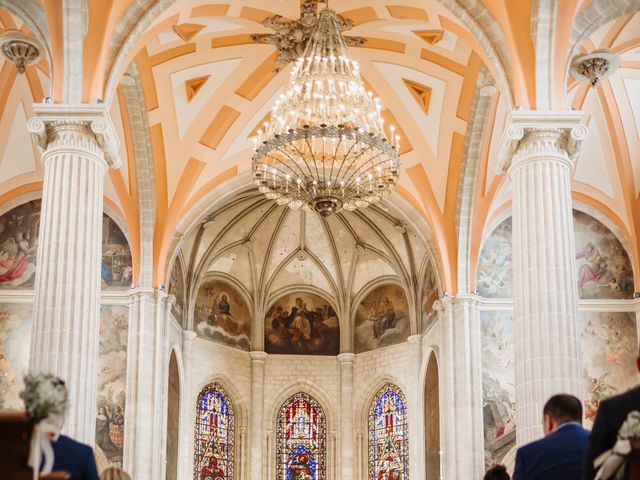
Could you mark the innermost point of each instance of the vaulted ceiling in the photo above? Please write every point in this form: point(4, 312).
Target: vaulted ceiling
point(187, 88)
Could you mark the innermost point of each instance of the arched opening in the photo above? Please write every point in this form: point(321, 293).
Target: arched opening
point(173, 418)
point(432, 420)
point(388, 435)
point(301, 439)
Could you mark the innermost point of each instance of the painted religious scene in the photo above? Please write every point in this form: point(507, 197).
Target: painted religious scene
point(382, 319)
point(609, 349)
point(15, 330)
point(431, 293)
point(222, 315)
point(498, 385)
point(302, 323)
point(603, 265)
point(112, 380)
point(176, 288)
point(116, 270)
point(18, 245)
point(495, 274)
point(301, 439)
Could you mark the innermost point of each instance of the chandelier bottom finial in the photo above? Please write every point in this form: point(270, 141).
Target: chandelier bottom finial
point(326, 205)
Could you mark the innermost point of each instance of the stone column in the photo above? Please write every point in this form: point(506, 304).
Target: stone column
point(257, 414)
point(461, 405)
point(415, 408)
point(537, 152)
point(145, 410)
point(187, 407)
point(346, 415)
point(78, 145)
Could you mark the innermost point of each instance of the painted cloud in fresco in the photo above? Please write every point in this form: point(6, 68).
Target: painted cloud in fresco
point(495, 275)
point(302, 323)
point(15, 331)
point(222, 315)
point(602, 264)
point(382, 319)
point(498, 385)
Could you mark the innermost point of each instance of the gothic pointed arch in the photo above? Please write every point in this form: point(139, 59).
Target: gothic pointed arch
point(301, 439)
point(214, 436)
point(388, 437)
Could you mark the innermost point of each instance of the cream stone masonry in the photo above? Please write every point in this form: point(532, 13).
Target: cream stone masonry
point(256, 457)
point(538, 151)
point(78, 144)
point(145, 422)
point(346, 408)
point(461, 395)
point(187, 408)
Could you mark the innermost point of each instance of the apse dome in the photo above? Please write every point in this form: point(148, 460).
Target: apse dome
point(259, 276)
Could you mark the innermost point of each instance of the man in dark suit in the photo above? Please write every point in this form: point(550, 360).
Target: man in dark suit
point(75, 458)
point(560, 454)
point(611, 414)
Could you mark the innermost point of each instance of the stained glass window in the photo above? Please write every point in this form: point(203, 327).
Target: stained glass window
point(388, 437)
point(300, 447)
point(214, 435)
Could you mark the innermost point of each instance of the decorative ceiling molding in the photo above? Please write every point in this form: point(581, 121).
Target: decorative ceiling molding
point(186, 31)
point(432, 37)
point(420, 92)
point(193, 86)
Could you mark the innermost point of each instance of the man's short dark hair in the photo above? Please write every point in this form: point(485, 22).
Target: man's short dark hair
point(497, 472)
point(563, 408)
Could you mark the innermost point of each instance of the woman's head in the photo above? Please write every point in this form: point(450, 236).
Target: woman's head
point(114, 473)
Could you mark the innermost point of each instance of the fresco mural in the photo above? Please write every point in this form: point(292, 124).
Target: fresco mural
point(116, 270)
point(176, 288)
point(222, 315)
point(609, 349)
point(430, 295)
point(18, 245)
point(495, 274)
point(112, 380)
point(302, 323)
point(603, 266)
point(15, 330)
point(382, 319)
point(498, 385)
point(19, 241)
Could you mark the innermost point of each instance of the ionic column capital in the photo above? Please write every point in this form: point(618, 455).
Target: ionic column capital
point(532, 135)
point(87, 127)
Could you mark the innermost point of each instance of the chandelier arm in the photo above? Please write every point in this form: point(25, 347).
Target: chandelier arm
point(315, 164)
point(346, 156)
point(293, 161)
point(295, 147)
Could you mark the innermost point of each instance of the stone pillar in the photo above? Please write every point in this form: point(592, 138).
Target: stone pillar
point(257, 415)
point(537, 153)
point(415, 408)
point(144, 448)
point(187, 408)
point(346, 415)
point(78, 145)
point(461, 405)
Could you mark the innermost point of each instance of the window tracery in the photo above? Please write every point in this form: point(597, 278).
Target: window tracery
point(301, 439)
point(388, 436)
point(214, 443)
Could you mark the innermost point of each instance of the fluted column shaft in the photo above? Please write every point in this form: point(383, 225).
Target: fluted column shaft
point(461, 403)
point(346, 415)
point(257, 415)
point(545, 291)
point(66, 311)
point(415, 408)
point(145, 419)
point(187, 408)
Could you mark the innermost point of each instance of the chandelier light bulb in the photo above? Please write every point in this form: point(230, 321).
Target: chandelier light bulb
point(326, 130)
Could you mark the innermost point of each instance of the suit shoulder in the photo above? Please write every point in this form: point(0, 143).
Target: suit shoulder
point(70, 443)
point(630, 397)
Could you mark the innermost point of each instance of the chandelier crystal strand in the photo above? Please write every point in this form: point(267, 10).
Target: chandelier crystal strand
point(325, 147)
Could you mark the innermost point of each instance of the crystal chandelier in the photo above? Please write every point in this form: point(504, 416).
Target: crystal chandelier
point(325, 147)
